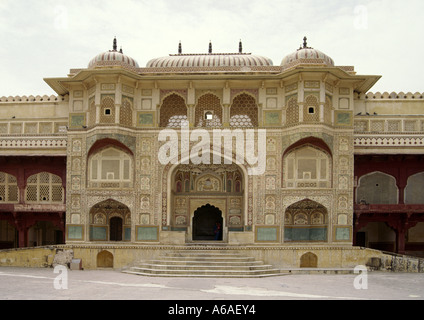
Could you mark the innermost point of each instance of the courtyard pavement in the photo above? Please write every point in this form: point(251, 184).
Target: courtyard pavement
point(45, 284)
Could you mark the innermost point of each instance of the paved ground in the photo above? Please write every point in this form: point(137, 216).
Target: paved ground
point(39, 284)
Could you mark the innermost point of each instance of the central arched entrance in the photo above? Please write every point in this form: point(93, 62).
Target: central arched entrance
point(110, 220)
point(205, 222)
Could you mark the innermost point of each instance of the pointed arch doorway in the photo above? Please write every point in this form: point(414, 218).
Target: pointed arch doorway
point(205, 222)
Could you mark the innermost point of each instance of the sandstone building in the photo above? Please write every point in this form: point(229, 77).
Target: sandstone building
point(344, 167)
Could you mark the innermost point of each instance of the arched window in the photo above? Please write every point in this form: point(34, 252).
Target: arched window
point(45, 188)
point(173, 112)
point(377, 188)
point(307, 167)
point(414, 190)
point(208, 111)
point(110, 168)
point(244, 112)
point(9, 192)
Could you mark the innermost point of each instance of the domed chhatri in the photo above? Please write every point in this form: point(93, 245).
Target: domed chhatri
point(307, 56)
point(210, 59)
point(113, 58)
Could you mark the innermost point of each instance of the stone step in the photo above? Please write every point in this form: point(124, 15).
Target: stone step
point(208, 259)
point(202, 273)
point(161, 266)
point(199, 263)
point(232, 276)
point(203, 254)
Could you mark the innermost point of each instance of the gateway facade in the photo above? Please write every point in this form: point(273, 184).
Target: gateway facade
point(342, 166)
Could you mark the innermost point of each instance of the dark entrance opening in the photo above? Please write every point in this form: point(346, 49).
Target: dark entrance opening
point(116, 229)
point(204, 223)
point(361, 239)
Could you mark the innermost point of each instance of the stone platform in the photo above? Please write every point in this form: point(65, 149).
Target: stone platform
point(266, 259)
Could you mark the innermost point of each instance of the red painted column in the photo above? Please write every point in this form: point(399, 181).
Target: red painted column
point(23, 222)
point(400, 240)
point(23, 237)
point(22, 231)
point(401, 184)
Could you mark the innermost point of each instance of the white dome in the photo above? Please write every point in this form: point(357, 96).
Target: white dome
point(307, 56)
point(113, 58)
point(209, 60)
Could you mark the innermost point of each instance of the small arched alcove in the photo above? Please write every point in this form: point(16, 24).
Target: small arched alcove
point(105, 259)
point(309, 260)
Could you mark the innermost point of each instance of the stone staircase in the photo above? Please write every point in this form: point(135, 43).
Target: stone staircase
point(204, 264)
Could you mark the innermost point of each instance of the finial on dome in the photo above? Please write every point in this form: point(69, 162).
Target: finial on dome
point(240, 47)
point(210, 47)
point(305, 42)
point(115, 44)
point(120, 51)
point(180, 48)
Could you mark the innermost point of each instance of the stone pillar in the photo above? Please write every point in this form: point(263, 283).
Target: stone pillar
point(117, 113)
point(191, 114)
point(301, 110)
point(321, 108)
point(226, 116)
point(98, 110)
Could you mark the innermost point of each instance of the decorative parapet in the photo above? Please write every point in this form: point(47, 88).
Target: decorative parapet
point(390, 96)
point(389, 125)
point(388, 141)
point(389, 132)
point(25, 99)
point(25, 143)
point(18, 128)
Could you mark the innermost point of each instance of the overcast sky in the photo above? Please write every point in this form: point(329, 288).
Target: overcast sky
point(46, 38)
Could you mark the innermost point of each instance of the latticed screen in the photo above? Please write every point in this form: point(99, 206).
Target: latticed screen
point(292, 114)
point(328, 110)
point(8, 188)
point(107, 110)
point(311, 110)
point(208, 111)
point(92, 111)
point(244, 112)
point(173, 112)
point(44, 187)
point(110, 168)
point(126, 113)
point(307, 167)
